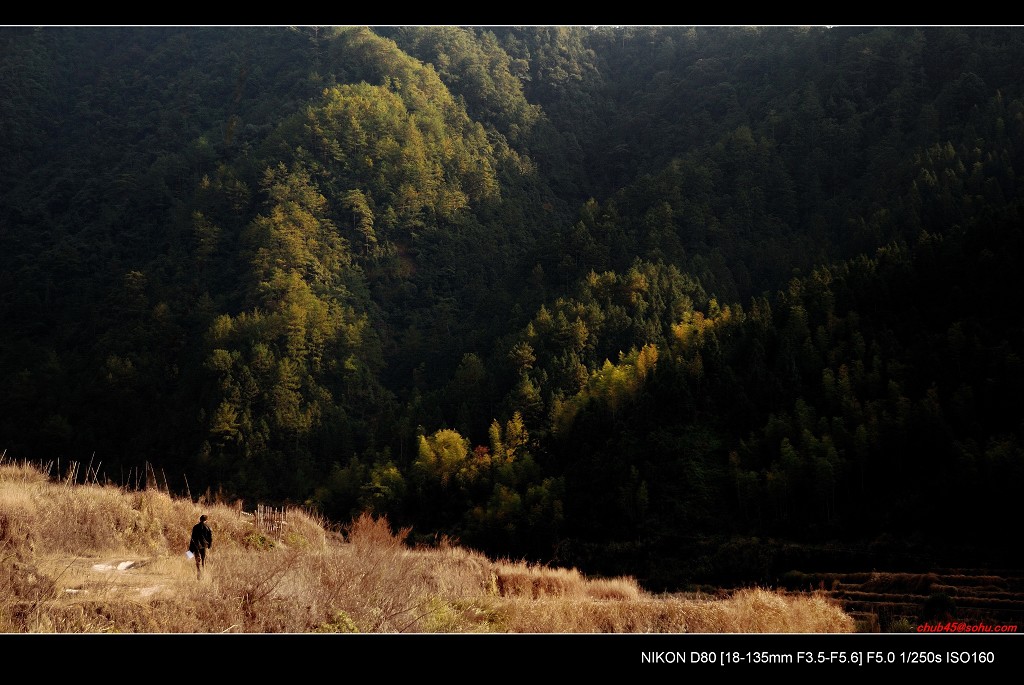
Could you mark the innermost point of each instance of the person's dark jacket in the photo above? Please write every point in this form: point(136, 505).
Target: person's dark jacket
point(202, 537)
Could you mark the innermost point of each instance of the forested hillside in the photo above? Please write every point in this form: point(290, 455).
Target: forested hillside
point(689, 304)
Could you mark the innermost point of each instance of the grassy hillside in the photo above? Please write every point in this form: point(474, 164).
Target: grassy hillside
point(79, 556)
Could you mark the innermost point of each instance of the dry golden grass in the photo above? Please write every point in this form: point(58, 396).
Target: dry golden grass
point(90, 558)
point(750, 610)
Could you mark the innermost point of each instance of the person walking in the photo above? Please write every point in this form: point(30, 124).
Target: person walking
point(201, 541)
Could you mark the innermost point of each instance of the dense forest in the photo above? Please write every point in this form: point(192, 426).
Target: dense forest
point(687, 303)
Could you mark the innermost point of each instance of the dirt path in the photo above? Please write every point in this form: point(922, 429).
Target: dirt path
point(137, 576)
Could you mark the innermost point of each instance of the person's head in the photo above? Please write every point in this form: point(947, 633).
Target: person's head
point(202, 518)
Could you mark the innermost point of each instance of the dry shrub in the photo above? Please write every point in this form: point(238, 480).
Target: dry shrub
point(558, 582)
point(369, 532)
point(376, 581)
point(705, 616)
point(758, 611)
point(25, 582)
point(16, 516)
point(21, 473)
point(253, 583)
point(304, 529)
point(755, 610)
point(22, 490)
point(530, 581)
point(84, 519)
point(576, 615)
point(526, 615)
point(513, 582)
point(584, 615)
point(629, 617)
point(454, 572)
point(198, 607)
point(613, 588)
point(158, 525)
point(816, 613)
point(90, 616)
point(523, 580)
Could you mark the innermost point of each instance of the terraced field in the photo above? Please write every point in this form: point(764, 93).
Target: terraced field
point(900, 602)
